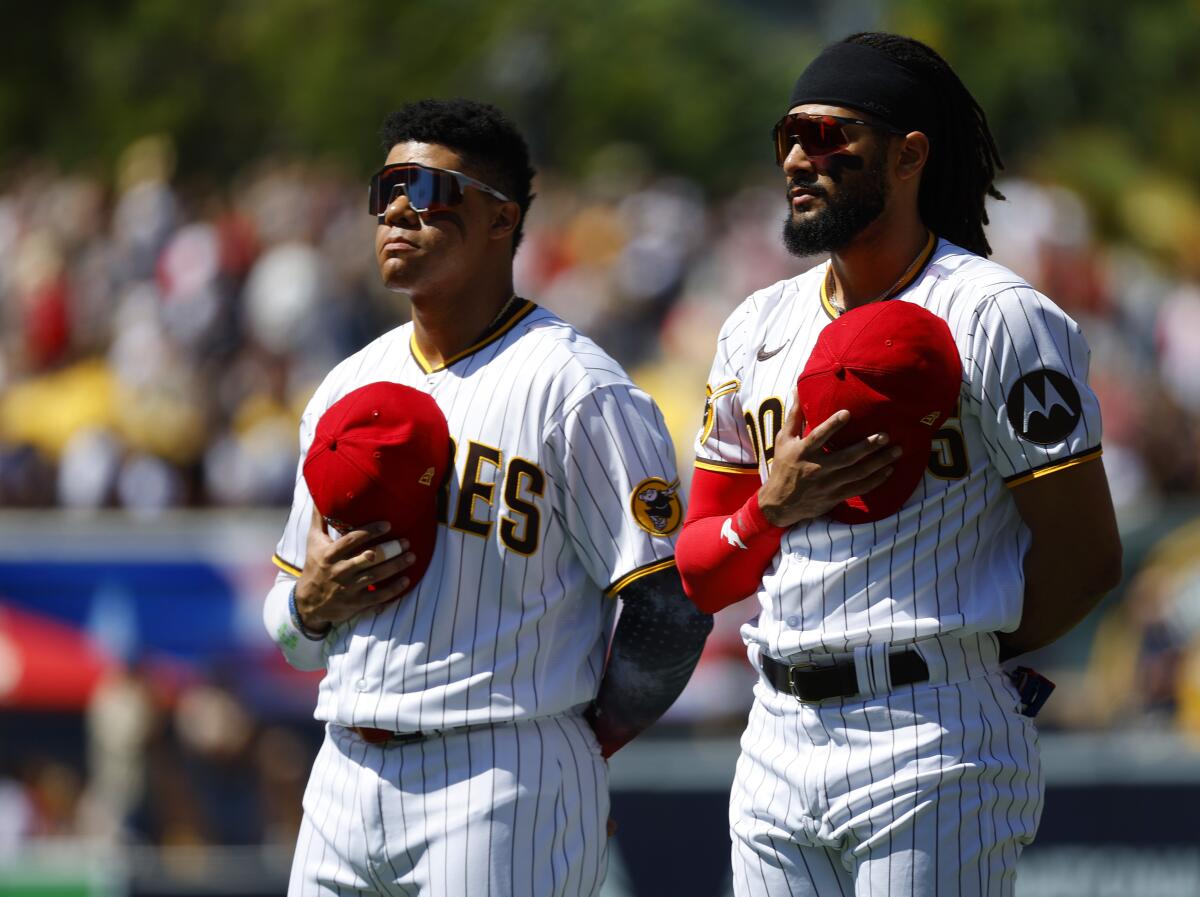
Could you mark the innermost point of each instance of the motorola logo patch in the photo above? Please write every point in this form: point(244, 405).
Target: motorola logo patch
point(1044, 407)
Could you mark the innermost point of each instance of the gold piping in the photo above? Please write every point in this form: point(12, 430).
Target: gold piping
point(470, 350)
point(634, 575)
point(285, 566)
point(1055, 468)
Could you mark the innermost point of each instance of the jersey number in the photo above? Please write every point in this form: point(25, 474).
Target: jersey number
point(947, 456)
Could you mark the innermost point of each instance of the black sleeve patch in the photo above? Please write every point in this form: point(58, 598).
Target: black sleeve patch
point(1044, 407)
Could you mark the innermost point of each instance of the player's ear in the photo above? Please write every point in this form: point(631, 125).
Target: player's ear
point(914, 153)
point(505, 218)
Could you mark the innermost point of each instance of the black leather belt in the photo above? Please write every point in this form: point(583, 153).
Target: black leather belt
point(809, 683)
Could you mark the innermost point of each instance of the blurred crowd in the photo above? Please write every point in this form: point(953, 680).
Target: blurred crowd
point(176, 766)
point(160, 339)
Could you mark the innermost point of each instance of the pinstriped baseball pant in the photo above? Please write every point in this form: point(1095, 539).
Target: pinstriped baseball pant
point(924, 790)
point(510, 810)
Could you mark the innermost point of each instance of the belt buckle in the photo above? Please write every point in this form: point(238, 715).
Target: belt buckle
point(792, 687)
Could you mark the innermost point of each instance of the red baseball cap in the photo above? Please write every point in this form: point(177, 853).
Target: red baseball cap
point(382, 452)
point(895, 367)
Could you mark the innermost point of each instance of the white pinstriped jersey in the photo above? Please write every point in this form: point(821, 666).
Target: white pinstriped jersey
point(950, 561)
point(564, 491)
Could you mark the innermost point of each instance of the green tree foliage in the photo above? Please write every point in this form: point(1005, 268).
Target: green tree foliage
point(697, 84)
point(1096, 94)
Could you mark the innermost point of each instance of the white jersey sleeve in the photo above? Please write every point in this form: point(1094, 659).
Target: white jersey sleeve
point(300, 651)
point(724, 442)
point(1027, 378)
point(616, 489)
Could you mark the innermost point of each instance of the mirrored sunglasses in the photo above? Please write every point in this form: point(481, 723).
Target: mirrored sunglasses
point(818, 135)
point(427, 189)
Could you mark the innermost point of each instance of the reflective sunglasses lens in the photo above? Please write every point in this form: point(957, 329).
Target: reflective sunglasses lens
point(817, 135)
point(374, 206)
point(826, 135)
point(419, 184)
point(427, 189)
point(382, 190)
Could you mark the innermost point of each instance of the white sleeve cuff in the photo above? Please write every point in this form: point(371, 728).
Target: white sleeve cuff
point(300, 651)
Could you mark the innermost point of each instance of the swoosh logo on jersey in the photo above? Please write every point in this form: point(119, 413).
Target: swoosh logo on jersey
point(730, 535)
point(763, 354)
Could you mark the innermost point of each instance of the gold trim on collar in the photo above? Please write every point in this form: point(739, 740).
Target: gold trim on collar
point(830, 309)
point(521, 311)
point(922, 260)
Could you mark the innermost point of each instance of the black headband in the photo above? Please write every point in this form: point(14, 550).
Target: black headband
point(860, 77)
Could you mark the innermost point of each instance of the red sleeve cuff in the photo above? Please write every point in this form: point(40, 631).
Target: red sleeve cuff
point(751, 522)
point(726, 544)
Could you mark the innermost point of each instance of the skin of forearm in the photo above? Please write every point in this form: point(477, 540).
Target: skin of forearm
point(1058, 595)
point(655, 647)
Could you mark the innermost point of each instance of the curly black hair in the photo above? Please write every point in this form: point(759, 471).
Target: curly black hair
point(959, 174)
point(490, 144)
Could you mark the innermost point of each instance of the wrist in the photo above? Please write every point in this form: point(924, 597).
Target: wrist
point(753, 519)
point(315, 635)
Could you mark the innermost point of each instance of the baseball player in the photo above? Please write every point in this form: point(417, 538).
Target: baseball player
point(469, 711)
point(885, 752)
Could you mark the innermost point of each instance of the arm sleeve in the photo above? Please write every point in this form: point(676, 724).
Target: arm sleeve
point(726, 543)
point(298, 649)
point(656, 645)
point(615, 485)
point(1027, 381)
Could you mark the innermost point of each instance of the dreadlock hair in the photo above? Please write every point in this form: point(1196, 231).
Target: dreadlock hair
point(490, 144)
point(958, 175)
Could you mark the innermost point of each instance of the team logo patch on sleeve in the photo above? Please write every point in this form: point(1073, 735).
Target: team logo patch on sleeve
point(1044, 407)
point(710, 407)
point(709, 415)
point(656, 507)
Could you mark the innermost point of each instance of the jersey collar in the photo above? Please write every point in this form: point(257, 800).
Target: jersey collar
point(506, 322)
point(903, 284)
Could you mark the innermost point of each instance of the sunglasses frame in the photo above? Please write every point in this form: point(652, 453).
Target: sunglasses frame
point(782, 149)
point(463, 181)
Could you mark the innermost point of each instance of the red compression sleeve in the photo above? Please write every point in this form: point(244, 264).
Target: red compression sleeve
point(726, 542)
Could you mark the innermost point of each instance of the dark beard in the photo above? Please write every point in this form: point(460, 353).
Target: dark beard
point(859, 201)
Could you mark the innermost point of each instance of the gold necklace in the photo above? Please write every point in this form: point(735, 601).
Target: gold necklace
point(831, 284)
